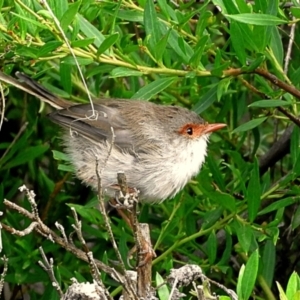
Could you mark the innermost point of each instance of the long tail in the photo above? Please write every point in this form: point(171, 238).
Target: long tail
point(30, 86)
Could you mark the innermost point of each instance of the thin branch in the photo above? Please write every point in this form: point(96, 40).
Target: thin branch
point(47, 266)
point(42, 228)
point(4, 272)
point(289, 48)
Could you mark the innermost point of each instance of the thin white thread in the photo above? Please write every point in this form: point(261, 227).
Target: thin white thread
point(72, 52)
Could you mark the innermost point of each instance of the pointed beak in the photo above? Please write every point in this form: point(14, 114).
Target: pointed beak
point(208, 128)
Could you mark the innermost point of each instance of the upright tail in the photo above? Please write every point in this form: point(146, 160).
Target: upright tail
point(28, 85)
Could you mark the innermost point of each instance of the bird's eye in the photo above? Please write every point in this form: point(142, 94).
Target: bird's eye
point(189, 130)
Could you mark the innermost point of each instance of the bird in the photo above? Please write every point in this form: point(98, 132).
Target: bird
point(158, 147)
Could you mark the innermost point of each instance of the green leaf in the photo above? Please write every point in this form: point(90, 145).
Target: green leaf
point(26, 155)
point(239, 283)
point(36, 23)
point(66, 168)
point(282, 295)
point(245, 236)
point(48, 48)
point(107, 43)
point(59, 7)
point(269, 103)
point(295, 11)
point(82, 61)
point(243, 6)
point(164, 8)
point(296, 218)
point(250, 125)
point(202, 23)
point(295, 144)
point(65, 71)
point(216, 172)
point(250, 275)
point(276, 45)
point(82, 43)
point(212, 247)
point(124, 72)
point(223, 87)
point(211, 217)
point(237, 39)
point(160, 47)
point(257, 19)
point(90, 31)
point(278, 204)
point(129, 15)
point(162, 291)
point(91, 214)
point(296, 167)
point(230, 5)
point(255, 63)
point(223, 199)
point(199, 48)
point(254, 192)
point(151, 23)
point(69, 15)
point(227, 252)
point(153, 88)
point(293, 285)
point(269, 262)
point(60, 156)
point(177, 43)
point(206, 100)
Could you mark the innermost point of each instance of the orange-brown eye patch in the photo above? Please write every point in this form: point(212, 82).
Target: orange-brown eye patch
point(192, 130)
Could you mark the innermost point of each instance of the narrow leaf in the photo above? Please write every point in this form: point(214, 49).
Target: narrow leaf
point(250, 275)
point(254, 192)
point(155, 87)
point(82, 61)
point(295, 12)
point(48, 48)
point(90, 31)
point(239, 283)
point(206, 100)
point(269, 103)
point(124, 72)
point(237, 39)
point(65, 71)
point(278, 204)
point(162, 291)
point(107, 43)
point(292, 286)
point(69, 15)
point(82, 43)
point(199, 48)
point(245, 237)
point(151, 23)
point(212, 248)
point(282, 295)
point(268, 262)
point(257, 19)
point(250, 125)
point(25, 156)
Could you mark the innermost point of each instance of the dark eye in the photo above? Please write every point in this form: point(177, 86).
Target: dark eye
point(189, 130)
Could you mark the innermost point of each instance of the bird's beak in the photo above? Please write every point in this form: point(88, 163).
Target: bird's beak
point(208, 128)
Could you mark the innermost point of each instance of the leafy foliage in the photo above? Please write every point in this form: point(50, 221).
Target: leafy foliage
point(234, 62)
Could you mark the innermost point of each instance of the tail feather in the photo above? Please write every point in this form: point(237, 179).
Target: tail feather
point(30, 86)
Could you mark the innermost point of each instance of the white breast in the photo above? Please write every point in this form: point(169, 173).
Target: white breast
point(170, 173)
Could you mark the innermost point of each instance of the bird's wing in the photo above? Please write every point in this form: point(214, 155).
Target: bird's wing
point(98, 127)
